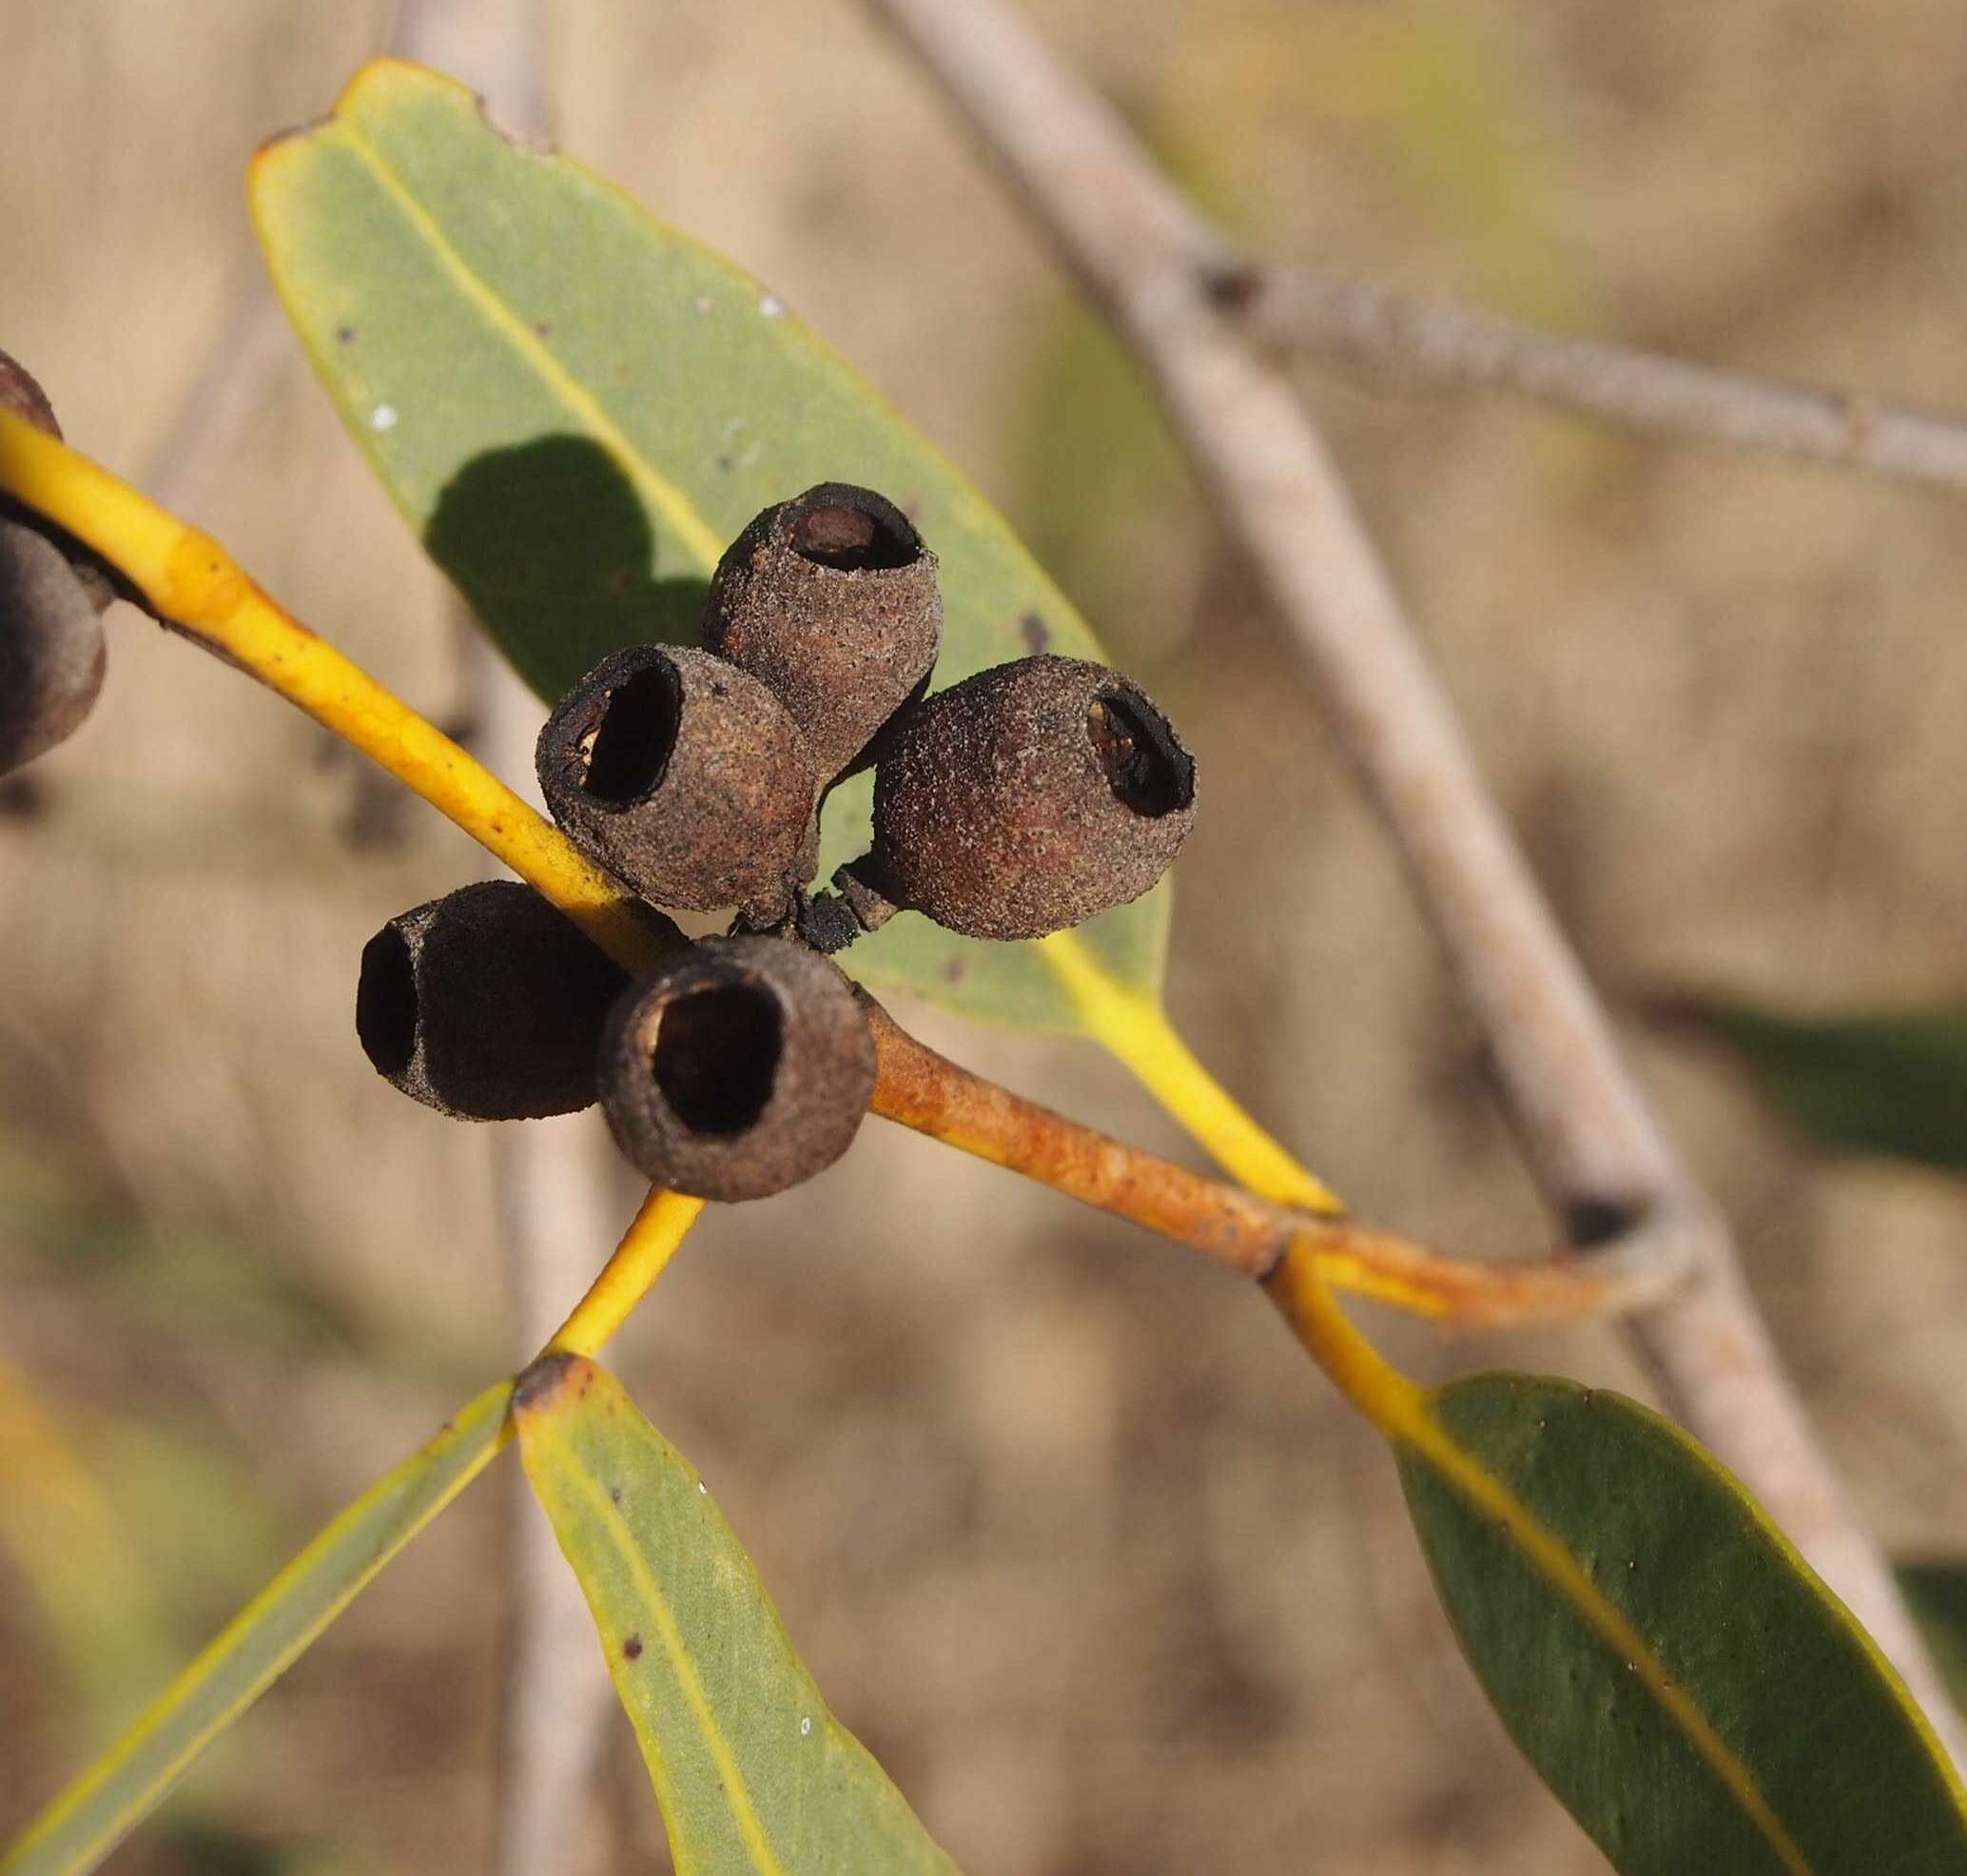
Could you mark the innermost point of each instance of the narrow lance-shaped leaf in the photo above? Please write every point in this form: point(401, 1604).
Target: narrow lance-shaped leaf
point(754, 1776)
point(1675, 1671)
point(87, 1820)
point(576, 408)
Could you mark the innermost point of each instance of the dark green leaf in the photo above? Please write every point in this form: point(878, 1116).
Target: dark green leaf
point(1673, 1669)
point(1892, 1084)
point(1936, 1594)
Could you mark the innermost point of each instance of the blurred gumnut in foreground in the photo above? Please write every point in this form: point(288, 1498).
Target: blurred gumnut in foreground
point(51, 650)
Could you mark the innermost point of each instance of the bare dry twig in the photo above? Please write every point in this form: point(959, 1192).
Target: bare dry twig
point(550, 1179)
point(1306, 310)
point(1599, 1153)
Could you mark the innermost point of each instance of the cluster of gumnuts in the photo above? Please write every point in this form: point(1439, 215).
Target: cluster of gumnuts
point(1018, 802)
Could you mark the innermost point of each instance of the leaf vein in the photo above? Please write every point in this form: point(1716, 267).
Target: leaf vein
point(1416, 1426)
point(662, 495)
point(751, 1826)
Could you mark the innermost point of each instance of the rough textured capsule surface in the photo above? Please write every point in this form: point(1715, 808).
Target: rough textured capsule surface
point(687, 778)
point(737, 1069)
point(486, 1004)
point(1029, 798)
point(831, 598)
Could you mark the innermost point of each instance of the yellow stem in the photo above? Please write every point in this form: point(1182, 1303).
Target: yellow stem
point(1394, 1404)
point(192, 581)
point(641, 1256)
point(1135, 1029)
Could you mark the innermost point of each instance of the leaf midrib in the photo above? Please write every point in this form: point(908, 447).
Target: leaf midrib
point(736, 1791)
point(1414, 1426)
point(668, 501)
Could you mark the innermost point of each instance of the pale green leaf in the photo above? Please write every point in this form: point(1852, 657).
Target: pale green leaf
point(754, 1776)
point(87, 1820)
point(576, 408)
point(1674, 1671)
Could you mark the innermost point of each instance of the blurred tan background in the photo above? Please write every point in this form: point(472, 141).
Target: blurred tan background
point(1058, 1518)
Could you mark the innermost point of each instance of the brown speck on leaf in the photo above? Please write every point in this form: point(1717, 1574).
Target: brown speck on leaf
point(345, 334)
point(954, 971)
point(544, 329)
point(541, 1381)
point(1036, 633)
point(632, 1649)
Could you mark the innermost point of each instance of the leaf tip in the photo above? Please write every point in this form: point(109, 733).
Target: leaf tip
point(384, 75)
point(266, 163)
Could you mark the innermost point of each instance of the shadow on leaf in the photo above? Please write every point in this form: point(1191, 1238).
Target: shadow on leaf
point(550, 546)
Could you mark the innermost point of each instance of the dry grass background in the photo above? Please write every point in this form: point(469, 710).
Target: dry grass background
point(1059, 1519)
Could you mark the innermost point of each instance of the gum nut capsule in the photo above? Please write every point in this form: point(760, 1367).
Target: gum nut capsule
point(21, 394)
point(486, 1004)
point(685, 778)
point(51, 650)
point(738, 1068)
point(831, 598)
point(1029, 798)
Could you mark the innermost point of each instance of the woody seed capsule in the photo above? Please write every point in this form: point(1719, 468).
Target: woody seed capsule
point(831, 598)
point(51, 650)
point(738, 1068)
point(685, 777)
point(1029, 798)
point(486, 1004)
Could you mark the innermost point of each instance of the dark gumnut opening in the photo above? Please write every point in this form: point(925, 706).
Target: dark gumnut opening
point(717, 1056)
point(853, 536)
point(630, 747)
point(385, 1002)
point(1148, 770)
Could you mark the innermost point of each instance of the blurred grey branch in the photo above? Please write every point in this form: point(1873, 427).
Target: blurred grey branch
point(247, 357)
point(551, 1178)
point(552, 1187)
point(1303, 310)
point(1599, 1152)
